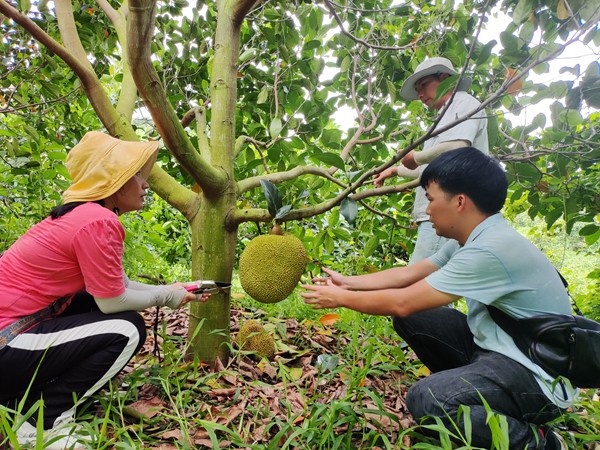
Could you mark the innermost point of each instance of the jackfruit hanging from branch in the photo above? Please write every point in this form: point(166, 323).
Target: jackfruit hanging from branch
point(271, 265)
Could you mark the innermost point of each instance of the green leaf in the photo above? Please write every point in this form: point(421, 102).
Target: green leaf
point(492, 131)
point(589, 230)
point(485, 52)
point(331, 159)
point(509, 41)
point(332, 138)
point(391, 88)
point(371, 246)
point(522, 11)
point(527, 31)
point(345, 65)
point(25, 5)
point(249, 53)
point(571, 117)
point(272, 195)
point(592, 238)
point(275, 128)
point(342, 234)
point(446, 86)
point(283, 211)
point(262, 97)
point(349, 210)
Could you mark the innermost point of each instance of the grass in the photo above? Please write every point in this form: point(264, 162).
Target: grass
point(331, 387)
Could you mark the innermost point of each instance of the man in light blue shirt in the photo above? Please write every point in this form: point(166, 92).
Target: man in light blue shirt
point(471, 358)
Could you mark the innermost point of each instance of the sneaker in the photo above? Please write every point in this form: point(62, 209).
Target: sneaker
point(554, 441)
point(64, 437)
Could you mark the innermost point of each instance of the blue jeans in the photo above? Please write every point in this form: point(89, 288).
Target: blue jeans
point(462, 372)
point(428, 242)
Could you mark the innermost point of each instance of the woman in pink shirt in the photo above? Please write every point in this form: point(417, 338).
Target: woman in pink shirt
point(68, 313)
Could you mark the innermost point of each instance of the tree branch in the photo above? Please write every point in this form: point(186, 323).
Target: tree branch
point(68, 32)
point(361, 129)
point(114, 122)
point(174, 193)
point(128, 94)
point(35, 105)
point(340, 23)
point(241, 8)
point(140, 33)
point(201, 126)
point(262, 215)
point(254, 182)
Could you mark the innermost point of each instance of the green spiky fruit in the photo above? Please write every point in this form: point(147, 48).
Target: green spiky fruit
point(271, 266)
point(253, 337)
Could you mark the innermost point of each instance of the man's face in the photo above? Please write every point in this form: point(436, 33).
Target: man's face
point(442, 210)
point(426, 88)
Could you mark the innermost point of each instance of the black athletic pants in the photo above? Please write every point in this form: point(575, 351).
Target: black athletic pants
point(464, 375)
point(74, 355)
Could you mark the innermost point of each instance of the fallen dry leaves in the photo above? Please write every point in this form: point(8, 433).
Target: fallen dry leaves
point(256, 398)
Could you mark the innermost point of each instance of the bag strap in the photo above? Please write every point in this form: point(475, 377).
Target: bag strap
point(566, 285)
point(24, 323)
point(504, 320)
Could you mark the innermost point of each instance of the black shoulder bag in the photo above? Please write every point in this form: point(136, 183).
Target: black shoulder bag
point(562, 345)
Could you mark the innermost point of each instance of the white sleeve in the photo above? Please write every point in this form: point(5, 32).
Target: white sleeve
point(468, 129)
point(405, 172)
point(426, 156)
point(130, 284)
point(138, 300)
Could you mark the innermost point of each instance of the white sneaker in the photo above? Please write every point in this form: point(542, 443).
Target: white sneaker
point(562, 445)
point(64, 437)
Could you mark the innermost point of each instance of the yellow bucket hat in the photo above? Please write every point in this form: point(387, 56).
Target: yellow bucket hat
point(101, 164)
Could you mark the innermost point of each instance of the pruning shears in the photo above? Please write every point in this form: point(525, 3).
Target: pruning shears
point(206, 286)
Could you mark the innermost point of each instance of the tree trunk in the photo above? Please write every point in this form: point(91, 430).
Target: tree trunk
point(213, 245)
point(213, 251)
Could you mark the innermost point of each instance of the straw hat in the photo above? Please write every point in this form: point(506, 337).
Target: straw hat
point(101, 164)
point(431, 66)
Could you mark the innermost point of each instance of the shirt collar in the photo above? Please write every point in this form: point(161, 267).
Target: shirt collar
point(484, 225)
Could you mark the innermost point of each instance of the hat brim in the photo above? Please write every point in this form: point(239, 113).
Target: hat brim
point(408, 91)
point(100, 165)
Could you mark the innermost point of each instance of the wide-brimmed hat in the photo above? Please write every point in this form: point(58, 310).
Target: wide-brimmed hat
point(101, 164)
point(431, 66)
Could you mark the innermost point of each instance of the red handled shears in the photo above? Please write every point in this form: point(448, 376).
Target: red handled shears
point(206, 286)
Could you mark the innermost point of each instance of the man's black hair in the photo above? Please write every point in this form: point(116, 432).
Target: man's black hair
point(468, 171)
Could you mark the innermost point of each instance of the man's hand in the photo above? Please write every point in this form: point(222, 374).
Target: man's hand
point(323, 295)
point(409, 160)
point(337, 279)
point(379, 178)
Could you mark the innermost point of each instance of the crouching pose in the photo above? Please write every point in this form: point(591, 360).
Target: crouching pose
point(68, 320)
point(472, 360)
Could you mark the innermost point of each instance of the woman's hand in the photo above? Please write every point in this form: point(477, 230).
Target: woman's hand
point(191, 297)
point(379, 178)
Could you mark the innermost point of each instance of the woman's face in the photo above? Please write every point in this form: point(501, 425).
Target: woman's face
point(131, 196)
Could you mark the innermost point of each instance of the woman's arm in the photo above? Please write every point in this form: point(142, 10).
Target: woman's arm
point(138, 300)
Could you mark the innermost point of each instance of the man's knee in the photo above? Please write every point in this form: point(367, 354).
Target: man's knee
point(426, 399)
point(398, 323)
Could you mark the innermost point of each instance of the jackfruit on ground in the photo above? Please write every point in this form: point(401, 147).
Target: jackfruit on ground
point(271, 266)
point(253, 337)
